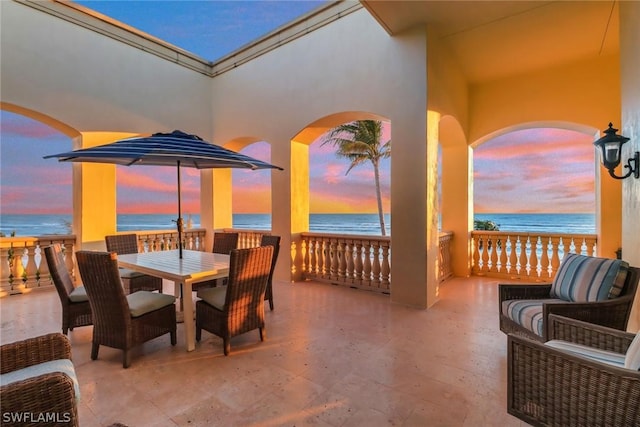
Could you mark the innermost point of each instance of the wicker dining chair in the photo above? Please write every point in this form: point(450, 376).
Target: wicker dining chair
point(43, 381)
point(231, 310)
point(269, 240)
point(223, 243)
point(132, 281)
point(562, 383)
point(122, 321)
point(76, 310)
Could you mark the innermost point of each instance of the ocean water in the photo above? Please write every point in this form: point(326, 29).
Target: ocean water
point(38, 225)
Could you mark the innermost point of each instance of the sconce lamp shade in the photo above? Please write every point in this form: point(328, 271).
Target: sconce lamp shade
point(610, 146)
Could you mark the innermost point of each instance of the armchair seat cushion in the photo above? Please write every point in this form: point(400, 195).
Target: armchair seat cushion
point(527, 312)
point(60, 365)
point(143, 302)
point(591, 353)
point(583, 278)
point(78, 295)
point(214, 296)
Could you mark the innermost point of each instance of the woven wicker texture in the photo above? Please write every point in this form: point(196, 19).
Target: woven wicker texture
point(113, 324)
point(73, 313)
point(268, 240)
point(549, 387)
point(51, 393)
point(128, 244)
point(223, 243)
point(613, 313)
point(244, 302)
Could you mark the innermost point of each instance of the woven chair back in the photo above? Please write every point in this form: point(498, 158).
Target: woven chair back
point(270, 240)
point(248, 275)
point(224, 243)
point(122, 243)
point(101, 279)
point(58, 269)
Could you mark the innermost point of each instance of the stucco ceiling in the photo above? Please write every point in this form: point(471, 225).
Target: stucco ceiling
point(495, 39)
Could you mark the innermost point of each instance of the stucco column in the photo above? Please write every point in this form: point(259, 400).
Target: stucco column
point(457, 203)
point(412, 209)
point(290, 205)
point(216, 210)
point(94, 194)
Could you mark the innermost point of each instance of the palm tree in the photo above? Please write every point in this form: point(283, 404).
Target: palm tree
point(359, 142)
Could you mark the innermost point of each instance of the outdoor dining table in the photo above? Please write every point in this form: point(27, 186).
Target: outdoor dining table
point(193, 267)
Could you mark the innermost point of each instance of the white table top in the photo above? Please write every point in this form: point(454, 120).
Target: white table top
point(193, 267)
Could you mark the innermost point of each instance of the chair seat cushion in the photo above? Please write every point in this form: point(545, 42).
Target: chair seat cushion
point(527, 312)
point(143, 302)
point(79, 294)
point(61, 365)
point(595, 354)
point(583, 278)
point(214, 296)
point(632, 358)
point(125, 273)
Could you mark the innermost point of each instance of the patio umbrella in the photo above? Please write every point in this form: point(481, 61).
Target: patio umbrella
point(165, 149)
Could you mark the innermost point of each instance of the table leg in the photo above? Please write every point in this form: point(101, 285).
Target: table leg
point(189, 324)
point(177, 291)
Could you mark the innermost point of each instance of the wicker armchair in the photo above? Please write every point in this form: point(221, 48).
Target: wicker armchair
point(552, 387)
point(48, 393)
point(133, 281)
point(613, 312)
point(223, 243)
point(268, 240)
point(76, 310)
point(231, 310)
point(122, 321)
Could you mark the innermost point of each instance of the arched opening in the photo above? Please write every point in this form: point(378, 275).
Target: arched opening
point(537, 179)
point(341, 202)
point(36, 193)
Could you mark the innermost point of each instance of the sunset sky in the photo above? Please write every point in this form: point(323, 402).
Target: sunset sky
point(538, 170)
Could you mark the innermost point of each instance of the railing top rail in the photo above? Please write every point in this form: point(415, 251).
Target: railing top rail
point(530, 233)
point(348, 236)
point(246, 230)
point(7, 242)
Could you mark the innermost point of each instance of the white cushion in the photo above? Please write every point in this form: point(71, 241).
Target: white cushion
point(61, 365)
point(603, 356)
point(632, 359)
point(214, 296)
point(78, 295)
point(143, 302)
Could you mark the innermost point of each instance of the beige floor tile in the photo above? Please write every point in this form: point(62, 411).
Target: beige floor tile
point(334, 357)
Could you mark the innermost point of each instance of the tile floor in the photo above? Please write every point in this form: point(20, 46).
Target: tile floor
point(333, 357)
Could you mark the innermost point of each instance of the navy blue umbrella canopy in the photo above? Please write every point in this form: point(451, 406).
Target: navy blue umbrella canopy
point(165, 149)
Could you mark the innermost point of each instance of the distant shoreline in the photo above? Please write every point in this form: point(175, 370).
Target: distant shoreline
point(350, 223)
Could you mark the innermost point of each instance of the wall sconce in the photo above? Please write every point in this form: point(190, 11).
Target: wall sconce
point(610, 146)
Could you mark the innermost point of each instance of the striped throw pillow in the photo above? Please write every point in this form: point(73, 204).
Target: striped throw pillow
point(583, 278)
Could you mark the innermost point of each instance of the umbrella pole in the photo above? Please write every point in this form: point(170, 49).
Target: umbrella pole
point(179, 222)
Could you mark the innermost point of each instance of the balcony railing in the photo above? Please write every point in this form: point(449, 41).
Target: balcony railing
point(352, 260)
point(531, 257)
point(23, 267)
